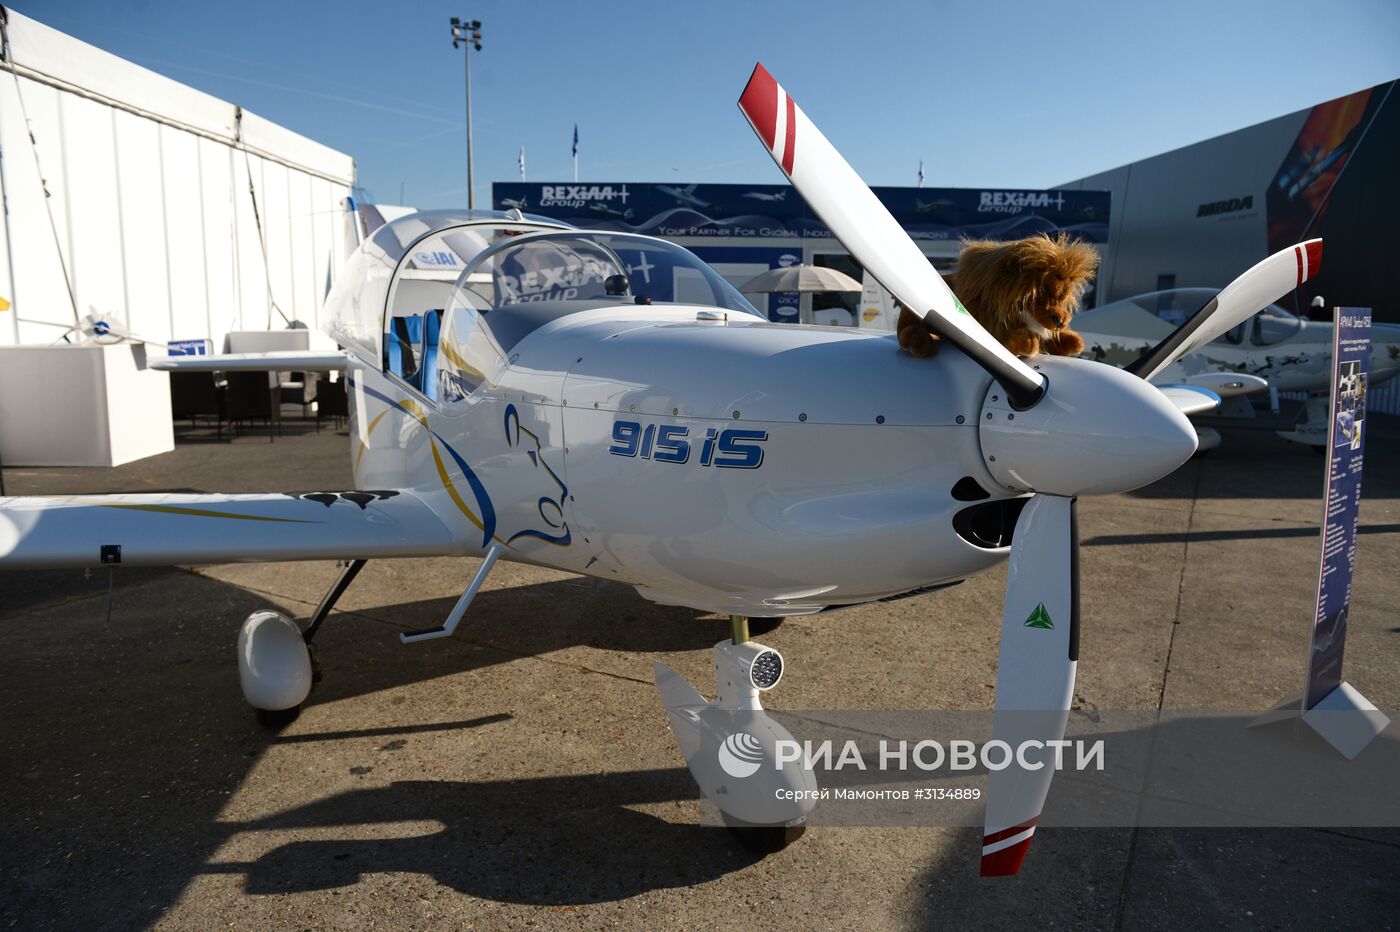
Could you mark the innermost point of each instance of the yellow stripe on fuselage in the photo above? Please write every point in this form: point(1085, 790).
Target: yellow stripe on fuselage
point(364, 442)
point(415, 410)
point(190, 512)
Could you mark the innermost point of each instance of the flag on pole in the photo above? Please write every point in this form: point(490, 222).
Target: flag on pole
point(575, 140)
point(921, 171)
point(522, 163)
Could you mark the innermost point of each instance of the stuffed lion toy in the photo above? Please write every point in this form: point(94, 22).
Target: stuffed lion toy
point(1024, 293)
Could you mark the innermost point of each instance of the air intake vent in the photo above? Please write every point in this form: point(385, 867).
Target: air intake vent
point(966, 489)
point(989, 525)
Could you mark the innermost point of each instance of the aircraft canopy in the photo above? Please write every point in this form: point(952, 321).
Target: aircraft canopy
point(416, 258)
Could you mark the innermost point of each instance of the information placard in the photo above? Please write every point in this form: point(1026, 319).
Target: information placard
point(1351, 356)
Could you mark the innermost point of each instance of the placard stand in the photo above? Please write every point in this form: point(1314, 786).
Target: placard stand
point(1330, 706)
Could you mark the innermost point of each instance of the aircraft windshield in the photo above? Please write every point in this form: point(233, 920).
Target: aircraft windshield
point(1272, 325)
point(408, 266)
point(519, 285)
point(614, 267)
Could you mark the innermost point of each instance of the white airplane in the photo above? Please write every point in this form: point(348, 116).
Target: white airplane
point(513, 203)
point(543, 407)
point(1274, 349)
point(685, 196)
point(936, 206)
point(600, 209)
point(760, 196)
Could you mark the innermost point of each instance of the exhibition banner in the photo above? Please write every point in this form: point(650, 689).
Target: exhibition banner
point(778, 211)
point(739, 264)
point(1351, 356)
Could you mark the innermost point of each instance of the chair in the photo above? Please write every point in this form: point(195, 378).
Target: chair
point(299, 389)
point(331, 399)
point(254, 396)
point(194, 395)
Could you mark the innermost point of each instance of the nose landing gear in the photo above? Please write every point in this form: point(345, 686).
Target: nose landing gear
point(730, 744)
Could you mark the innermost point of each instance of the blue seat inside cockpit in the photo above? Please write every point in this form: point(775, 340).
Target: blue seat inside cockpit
point(401, 347)
point(411, 349)
point(426, 380)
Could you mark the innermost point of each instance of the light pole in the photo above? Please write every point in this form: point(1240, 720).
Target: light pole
point(468, 34)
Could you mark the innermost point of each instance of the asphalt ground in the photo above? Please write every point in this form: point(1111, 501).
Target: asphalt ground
point(522, 774)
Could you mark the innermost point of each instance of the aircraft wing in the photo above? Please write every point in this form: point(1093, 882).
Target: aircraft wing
point(1223, 383)
point(1190, 399)
point(170, 529)
point(282, 361)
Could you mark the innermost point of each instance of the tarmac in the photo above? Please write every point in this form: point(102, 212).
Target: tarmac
point(522, 774)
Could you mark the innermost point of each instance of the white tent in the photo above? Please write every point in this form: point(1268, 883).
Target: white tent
point(149, 217)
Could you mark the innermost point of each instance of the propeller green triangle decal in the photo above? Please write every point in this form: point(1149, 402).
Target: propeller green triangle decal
point(1040, 618)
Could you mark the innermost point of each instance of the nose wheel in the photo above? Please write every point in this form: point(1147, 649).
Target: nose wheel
point(764, 840)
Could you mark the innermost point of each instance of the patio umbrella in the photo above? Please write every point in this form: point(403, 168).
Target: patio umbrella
point(805, 278)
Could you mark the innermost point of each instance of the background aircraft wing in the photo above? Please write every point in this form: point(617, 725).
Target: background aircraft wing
point(1225, 384)
point(283, 361)
point(1191, 399)
point(169, 529)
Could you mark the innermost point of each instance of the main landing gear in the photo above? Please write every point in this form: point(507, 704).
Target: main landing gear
point(729, 744)
point(275, 664)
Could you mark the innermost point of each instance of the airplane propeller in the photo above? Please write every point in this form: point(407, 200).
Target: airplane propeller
point(1263, 284)
point(1059, 427)
point(846, 205)
point(1035, 674)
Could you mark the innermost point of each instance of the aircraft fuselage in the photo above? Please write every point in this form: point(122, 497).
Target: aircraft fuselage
point(727, 464)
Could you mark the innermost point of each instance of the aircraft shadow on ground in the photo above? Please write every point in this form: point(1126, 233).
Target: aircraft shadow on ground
point(1178, 537)
point(359, 651)
point(115, 781)
point(555, 840)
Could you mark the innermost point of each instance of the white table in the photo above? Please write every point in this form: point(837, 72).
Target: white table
point(90, 405)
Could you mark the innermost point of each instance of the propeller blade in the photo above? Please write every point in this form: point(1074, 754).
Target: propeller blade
point(863, 225)
point(1035, 679)
point(1240, 300)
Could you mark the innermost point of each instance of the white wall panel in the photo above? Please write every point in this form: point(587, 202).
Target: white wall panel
point(219, 237)
point(184, 233)
point(90, 201)
point(254, 312)
point(141, 246)
point(303, 263)
point(275, 212)
point(39, 290)
point(149, 191)
point(325, 258)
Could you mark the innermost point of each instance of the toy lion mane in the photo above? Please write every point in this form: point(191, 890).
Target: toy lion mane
point(1024, 293)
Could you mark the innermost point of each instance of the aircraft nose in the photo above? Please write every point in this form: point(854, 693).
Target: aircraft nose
point(1097, 431)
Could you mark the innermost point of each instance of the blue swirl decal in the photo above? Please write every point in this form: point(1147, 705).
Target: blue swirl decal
point(487, 521)
point(512, 418)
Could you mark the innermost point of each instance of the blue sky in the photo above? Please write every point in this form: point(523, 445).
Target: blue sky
point(997, 94)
